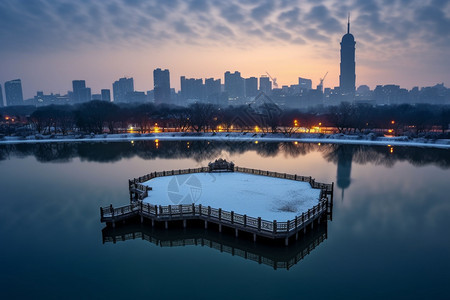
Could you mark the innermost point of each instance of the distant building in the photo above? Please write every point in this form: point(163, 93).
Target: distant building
point(305, 83)
point(213, 90)
point(106, 95)
point(251, 87)
point(1, 97)
point(136, 97)
point(13, 92)
point(390, 94)
point(234, 85)
point(81, 93)
point(265, 85)
point(41, 99)
point(96, 97)
point(347, 77)
point(192, 89)
point(121, 88)
point(161, 83)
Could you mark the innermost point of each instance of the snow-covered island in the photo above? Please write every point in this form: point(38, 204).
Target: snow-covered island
point(264, 203)
point(359, 139)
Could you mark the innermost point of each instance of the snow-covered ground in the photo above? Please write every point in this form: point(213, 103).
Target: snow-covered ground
point(256, 196)
point(230, 137)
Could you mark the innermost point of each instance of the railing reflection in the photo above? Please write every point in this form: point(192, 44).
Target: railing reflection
point(263, 253)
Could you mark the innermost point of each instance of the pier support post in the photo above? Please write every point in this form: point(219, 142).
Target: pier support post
point(153, 222)
point(296, 235)
point(206, 224)
point(312, 224)
point(220, 227)
point(286, 241)
point(166, 224)
point(184, 223)
point(304, 229)
point(254, 237)
point(142, 219)
point(114, 224)
point(237, 232)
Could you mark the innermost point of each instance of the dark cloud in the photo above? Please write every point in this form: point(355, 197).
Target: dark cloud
point(55, 24)
point(263, 10)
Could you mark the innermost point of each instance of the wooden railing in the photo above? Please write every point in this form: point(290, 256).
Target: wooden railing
point(244, 222)
point(328, 188)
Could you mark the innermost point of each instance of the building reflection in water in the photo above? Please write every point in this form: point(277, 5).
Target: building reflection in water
point(263, 252)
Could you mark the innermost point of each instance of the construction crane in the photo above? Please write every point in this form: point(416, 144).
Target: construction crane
point(320, 85)
point(274, 80)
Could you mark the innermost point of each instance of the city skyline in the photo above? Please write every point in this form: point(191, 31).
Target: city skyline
point(397, 44)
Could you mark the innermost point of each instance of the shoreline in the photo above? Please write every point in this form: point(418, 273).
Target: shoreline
point(237, 137)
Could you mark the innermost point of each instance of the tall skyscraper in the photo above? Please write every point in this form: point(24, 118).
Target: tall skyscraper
point(161, 84)
point(106, 95)
point(251, 87)
point(265, 85)
point(234, 85)
point(121, 88)
point(80, 92)
point(13, 92)
point(348, 77)
point(1, 96)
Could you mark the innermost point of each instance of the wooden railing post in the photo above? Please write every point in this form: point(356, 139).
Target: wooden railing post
point(180, 208)
point(170, 210)
point(288, 225)
point(200, 209)
point(259, 223)
point(156, 210)
point(274, 226)
point(232, 217)
point(220, 214)
point(245, 220)
point(209, 211)
point(193, 209)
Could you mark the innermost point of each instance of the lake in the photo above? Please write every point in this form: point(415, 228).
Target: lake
point(388, 237)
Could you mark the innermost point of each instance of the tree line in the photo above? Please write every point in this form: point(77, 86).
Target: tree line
point(106, 117)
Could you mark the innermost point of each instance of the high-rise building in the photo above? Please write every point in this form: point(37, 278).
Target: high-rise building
point(304, 83)
point(192, 89)
point(234, 85)
point(1, 96)
point(213, 90)
point(348, 76)
point(265, 85)
point(80, 92)
point(161, 83)
point(13, 92)
point(106, 95)
point(121, 88)
point(251, 87)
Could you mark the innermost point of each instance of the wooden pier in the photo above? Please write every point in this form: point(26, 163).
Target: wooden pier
point(238, 222)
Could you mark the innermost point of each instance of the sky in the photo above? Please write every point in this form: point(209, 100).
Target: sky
point(49, 43)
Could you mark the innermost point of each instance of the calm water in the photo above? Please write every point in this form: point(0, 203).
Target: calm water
point(388, 237)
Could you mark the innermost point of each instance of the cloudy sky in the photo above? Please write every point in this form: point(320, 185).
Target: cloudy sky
point(48, 43)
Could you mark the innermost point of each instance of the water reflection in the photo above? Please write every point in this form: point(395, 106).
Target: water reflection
point(276, 256)
point(342, 155)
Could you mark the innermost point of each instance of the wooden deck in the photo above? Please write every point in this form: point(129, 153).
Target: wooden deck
point(239, 222)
